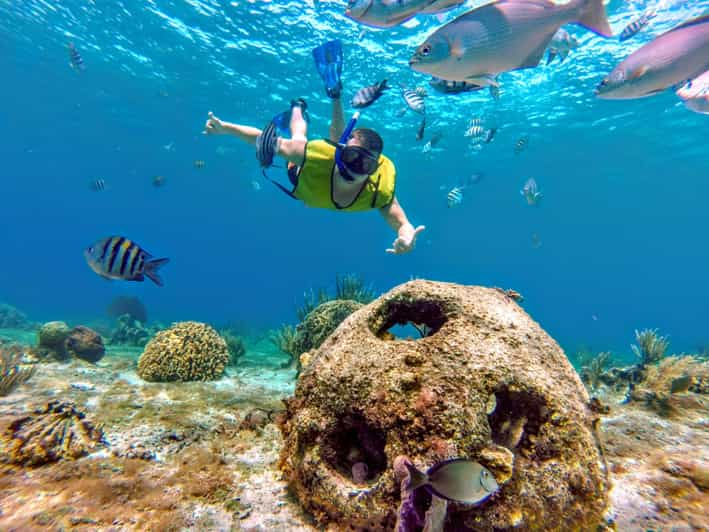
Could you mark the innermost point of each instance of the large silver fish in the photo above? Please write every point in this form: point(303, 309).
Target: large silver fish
point(674, 57)
point(502, 36)
point(457, 480)
point(117, 257)
point(388, 13)
point(695, 94)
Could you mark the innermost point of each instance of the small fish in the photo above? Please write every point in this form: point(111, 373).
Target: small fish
point(453, 87)
point(636, 25)
point(521, 144)
point(401, 112)
point(475, 122)
point(97, 185)
point(436, 138)
point(501, 36)
point(170, 146)
point(561, 44)
point(75, 60)
point(695, 94)
point(495, 92)
point(458, 480)
point(669, 60)
point(158, 181)
point(421, 91)
point(455, 197)
point(536, 241)
point(362, 34)
point(413, 100)
point(475, 178)
point(368, 95)
point(199, 164)
point(422, 127)
point(530, 192)
point(489, 135)
point(255, 185)
point(476, 132)
point(117, 257)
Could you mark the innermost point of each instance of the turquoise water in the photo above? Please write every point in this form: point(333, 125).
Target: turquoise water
point(622, 224)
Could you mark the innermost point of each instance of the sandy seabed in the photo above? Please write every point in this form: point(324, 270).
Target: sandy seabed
point(204, 456)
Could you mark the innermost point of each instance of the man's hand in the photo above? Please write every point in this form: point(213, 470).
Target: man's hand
point(213, 126)
point(406, 240)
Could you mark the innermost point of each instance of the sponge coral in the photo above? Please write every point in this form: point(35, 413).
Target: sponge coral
point(187, 351)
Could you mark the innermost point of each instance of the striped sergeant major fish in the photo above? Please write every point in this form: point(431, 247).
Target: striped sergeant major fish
point(453, 87)
point(521, 144)
point(368, 95)
point(413, 100)
point(97, 185)
point(117, 257)
point(455, 197)
point(75, 60)
point(635, 26)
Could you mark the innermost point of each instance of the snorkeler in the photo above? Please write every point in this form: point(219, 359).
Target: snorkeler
point(346, 172)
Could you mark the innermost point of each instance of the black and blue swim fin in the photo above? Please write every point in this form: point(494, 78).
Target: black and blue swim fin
point(328, 59)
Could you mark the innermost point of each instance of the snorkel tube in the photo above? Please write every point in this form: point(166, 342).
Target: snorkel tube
point(343, 140)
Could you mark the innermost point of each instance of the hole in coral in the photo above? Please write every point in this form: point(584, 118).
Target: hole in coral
point(355, 449)
point(409, 319)
point(517, 415)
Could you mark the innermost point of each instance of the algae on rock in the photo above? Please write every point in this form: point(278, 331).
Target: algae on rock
point(487, 383)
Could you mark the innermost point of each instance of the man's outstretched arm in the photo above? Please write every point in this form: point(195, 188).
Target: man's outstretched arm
point(406, 234)
point(291, 149)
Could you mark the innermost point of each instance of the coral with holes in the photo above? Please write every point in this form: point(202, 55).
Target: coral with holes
point(58, 431)
point(130, 331)
point(187, 351)
point(51, 340)
point(487, 383)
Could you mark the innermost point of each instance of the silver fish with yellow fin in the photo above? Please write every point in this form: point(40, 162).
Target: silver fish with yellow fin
point(117, 257)
point(388, 13)
point(669, 60)
point(502, 36)
point(458, 480)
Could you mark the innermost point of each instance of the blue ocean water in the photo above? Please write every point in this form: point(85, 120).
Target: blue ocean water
point(623, 222)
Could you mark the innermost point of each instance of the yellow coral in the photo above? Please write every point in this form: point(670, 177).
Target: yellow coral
point(187, 351)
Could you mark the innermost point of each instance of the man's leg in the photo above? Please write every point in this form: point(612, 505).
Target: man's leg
point(337, 124)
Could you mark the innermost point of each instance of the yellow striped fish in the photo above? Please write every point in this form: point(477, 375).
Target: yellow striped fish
point(117, 257)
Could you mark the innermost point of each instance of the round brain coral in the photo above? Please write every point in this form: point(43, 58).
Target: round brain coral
point(187, 351)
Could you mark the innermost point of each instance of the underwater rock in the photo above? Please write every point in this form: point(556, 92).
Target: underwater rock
point(365, 398)
point(187, 351)
point(85, 343)
point(11, 318)
point(130, 331)
point(130, 305)
point(52, 339)
point(57, 432)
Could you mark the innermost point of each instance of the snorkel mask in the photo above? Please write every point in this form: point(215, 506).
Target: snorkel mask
point(354, 159)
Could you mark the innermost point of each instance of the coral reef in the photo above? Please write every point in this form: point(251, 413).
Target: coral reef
point(187, 351)
point(130, 305)
point(11, 318)
point(58, 431)
point(352, 288)
point(650, 346)
point(591, 372)
point(312, 331)
point(674, 386)
point(86, 344)
point(12, 371)
point(487, 384)
point(52, 338)
point(235, 344)
point(130, 331)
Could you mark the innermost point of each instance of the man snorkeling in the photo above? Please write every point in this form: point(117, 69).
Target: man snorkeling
point(346, 172)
